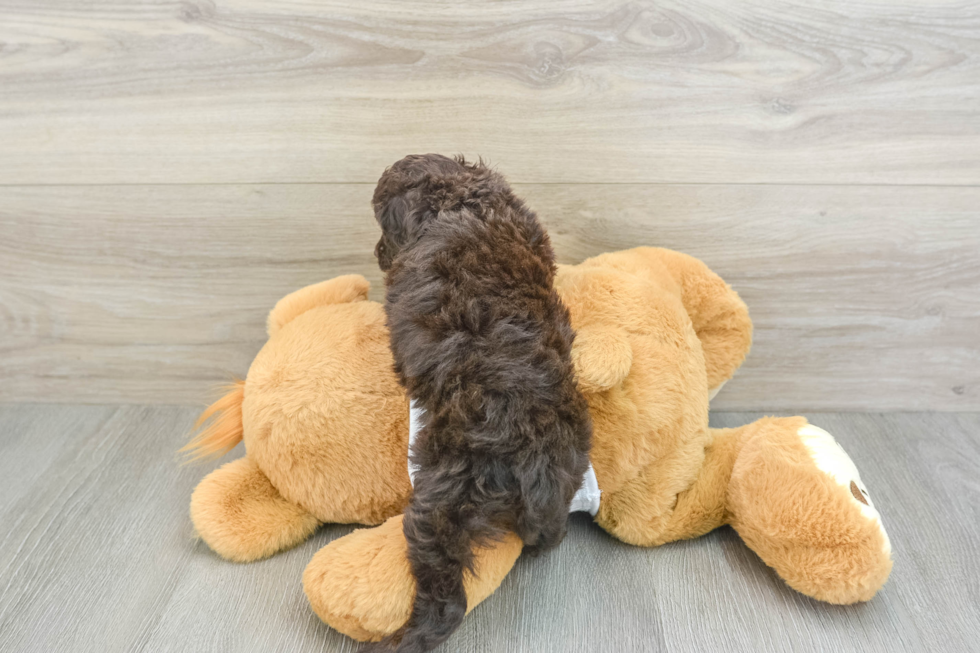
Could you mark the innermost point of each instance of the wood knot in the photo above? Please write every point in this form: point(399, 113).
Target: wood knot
point(191, 12)
point(549, 61)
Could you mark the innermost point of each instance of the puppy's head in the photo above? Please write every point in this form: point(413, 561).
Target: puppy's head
point(416, 189)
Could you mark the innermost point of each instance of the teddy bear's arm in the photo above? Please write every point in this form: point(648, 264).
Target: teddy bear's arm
point(341, 290)
point(602, 356)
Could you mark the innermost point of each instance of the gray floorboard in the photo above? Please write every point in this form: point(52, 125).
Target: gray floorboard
point(97, 554)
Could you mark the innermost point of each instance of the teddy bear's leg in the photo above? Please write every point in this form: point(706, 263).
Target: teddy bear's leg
point(703, 507)
point(791, 493)
point(242, 517)
point(646, 514)
point(796, 499)
point(362, 585)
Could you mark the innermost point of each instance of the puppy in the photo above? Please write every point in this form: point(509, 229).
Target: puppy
point(482, 343)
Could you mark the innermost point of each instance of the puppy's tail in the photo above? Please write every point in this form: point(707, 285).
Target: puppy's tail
point(225, 429)
point(439, 549)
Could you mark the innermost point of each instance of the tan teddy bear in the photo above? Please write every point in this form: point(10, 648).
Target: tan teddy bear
point(326, 430)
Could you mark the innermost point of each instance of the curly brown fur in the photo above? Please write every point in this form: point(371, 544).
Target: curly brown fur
point(482, 342)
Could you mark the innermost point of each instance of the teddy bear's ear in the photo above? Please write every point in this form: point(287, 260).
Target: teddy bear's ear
point(602, 356)
point(340, 290)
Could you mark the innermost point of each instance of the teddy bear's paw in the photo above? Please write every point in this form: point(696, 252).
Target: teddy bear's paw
point(832, 460)
point(239, 514)
point(362, 584)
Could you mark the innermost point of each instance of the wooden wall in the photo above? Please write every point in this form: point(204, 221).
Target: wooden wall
point(169, 169)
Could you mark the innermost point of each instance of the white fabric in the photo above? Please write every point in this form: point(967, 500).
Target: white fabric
point(414, 426)
point(587, 497)
point(585, 500)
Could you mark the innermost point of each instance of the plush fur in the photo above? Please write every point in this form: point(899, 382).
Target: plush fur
point(482, 342)
point(264, 522)
point(224, 428)
point(326, 423)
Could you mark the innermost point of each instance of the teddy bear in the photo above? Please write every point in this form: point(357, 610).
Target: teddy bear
point(326, 431)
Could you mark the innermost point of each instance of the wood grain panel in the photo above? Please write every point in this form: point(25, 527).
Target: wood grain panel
point(864, 298)
point(700, 91)
point(97, 554)
point(155, 293)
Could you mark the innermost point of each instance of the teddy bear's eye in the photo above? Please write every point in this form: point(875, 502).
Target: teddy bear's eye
point(858, 493)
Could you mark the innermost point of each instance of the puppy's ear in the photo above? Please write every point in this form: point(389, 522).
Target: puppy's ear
point(392, 216)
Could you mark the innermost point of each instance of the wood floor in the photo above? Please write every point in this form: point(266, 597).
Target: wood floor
point(97, 554)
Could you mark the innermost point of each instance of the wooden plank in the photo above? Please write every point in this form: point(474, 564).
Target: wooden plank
point(698, 91)
point(155, 294)
point(97, 555)
point(864, 298)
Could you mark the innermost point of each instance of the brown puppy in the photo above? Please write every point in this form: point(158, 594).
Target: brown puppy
point(482, 343)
